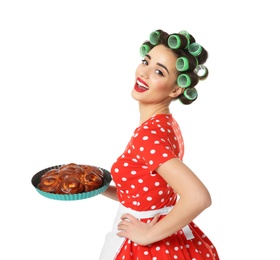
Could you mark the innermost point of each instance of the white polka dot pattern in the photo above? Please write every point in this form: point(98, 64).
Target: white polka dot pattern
point(156, 141)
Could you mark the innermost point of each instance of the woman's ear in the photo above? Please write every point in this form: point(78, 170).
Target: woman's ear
point(177, 91)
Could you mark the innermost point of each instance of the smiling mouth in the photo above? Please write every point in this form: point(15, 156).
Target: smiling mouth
point(140, 87)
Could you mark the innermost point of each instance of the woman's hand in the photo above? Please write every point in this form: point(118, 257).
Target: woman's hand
point(135, 230)
point(111, 192)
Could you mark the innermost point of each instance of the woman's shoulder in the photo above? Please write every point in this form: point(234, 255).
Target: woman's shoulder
point(159, 123)
point(160, 119)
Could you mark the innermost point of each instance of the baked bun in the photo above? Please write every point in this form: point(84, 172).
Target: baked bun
point(91, 181)
point(49, 183)
point(71, 179)
point(51, 172)
point(71, 170)
point(90, 168)
point(70, 185)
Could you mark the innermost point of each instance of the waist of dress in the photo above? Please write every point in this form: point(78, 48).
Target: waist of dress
point(113, 242)
point(144, 214)
point(148, 214)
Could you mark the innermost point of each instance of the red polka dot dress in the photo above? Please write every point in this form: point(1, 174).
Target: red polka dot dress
point(140, 188)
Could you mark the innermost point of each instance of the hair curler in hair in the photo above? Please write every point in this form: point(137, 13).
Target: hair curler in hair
point(182, 64)
point(185, 33)
point(201, 71)
point(176, 41)
point(154, 37)
point(144, 49)
point(195, 49)
point(184, 81)
point(188, 96)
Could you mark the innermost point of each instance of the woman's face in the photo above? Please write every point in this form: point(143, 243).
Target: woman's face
point(156, 77)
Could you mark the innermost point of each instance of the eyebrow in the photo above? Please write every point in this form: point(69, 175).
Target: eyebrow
point(159, 64)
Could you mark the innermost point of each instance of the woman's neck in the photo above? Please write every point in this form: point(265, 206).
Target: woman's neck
point(147, 112)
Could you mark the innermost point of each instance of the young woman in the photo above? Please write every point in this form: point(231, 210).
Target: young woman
point(159, 195)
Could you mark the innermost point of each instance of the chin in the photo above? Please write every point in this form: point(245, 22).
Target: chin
point(134, 95)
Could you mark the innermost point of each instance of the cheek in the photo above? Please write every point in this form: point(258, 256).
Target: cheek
point(136, 71)
point(139, 70)
point(162, 86)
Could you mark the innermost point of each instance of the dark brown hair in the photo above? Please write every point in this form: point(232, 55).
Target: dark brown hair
point(183, 49)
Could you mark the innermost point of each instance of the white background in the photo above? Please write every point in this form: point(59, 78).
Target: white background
point(66, 73)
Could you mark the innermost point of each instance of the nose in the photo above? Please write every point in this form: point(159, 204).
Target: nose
point(144, 72)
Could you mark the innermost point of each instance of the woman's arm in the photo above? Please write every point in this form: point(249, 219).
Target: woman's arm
point(193, 199)
point(111, 192)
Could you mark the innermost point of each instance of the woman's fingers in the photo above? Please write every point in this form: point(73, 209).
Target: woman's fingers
point(155, 219)
point(128, 217)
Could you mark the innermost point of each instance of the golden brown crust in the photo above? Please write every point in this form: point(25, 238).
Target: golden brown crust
point(92, 181)
point(70, 185)
point(49, 184)
point(51, 172)
point(90, 168)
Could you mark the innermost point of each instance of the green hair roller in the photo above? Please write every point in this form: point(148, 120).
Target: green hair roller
point(185, 33)
point(144, 49)
point(184, 81)
point(182, 64)
point(190, 94)
point(195, 49)
point(154, 37)
point(174, 41)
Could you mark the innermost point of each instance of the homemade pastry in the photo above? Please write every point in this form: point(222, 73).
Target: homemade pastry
point(71, 179)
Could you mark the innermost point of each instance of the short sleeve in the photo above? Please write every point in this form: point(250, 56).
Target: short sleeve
point(156, 142)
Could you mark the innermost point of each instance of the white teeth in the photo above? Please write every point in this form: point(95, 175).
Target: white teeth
point(141, 84)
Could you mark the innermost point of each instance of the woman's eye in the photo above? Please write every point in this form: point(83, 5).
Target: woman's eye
point(144, 62)
point(159, 72)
